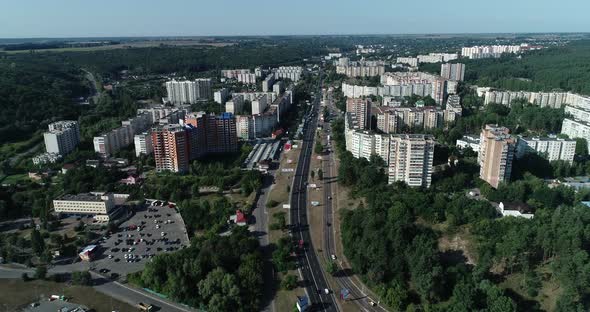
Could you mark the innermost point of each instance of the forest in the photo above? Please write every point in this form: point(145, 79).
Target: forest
point(216, 273)
point(393, 240)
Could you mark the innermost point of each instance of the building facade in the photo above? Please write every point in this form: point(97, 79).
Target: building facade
point(95, 203)
point(552, 148)
point(454, 72)
point(410, 159)
point(496, 153)
point(189, 92)
point(62, 137)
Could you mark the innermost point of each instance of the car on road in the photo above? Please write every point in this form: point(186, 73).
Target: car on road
point(372, 303)
point(329, 197)
point(326, 291)
point(333, 257)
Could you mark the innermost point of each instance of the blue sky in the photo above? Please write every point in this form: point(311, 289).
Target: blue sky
point(82, 18)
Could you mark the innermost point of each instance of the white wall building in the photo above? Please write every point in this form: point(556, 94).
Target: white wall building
point(90, 203)
point(221, 95)
point(143, 144)
point(189, 92)
point(552, 148)
point(62, 137)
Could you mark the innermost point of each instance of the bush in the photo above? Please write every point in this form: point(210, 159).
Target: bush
point(271, 203)
point(289, 282)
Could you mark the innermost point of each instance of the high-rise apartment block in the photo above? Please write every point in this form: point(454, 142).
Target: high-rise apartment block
point(412, 61)
point(241, 75)
point(62, 137)
point(454, 72)
point(360, 68)
point(401, 119)
point(290, 72)
point(268, 83)
point(410, 159)
point(235, 105)
point(453, 109)
point(496, 153)
point(171, 148)
point(221, 95)
point(143, 144)
point(189, 92)
point(361, 108)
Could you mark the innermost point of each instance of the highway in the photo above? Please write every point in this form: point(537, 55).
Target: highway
point(308, 262)
point(356, 294)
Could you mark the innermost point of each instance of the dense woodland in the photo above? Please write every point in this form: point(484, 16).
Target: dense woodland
point(216, 273)
point(393, 240)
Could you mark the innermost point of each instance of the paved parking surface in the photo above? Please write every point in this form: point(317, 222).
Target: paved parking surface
point(151, 231)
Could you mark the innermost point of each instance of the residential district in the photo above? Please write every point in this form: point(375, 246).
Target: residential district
point(291, 132)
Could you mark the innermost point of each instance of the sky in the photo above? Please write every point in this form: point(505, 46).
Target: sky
point(130, 18)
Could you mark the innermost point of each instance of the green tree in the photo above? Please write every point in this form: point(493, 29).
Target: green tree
point(37, 242)
point(40, 272)
point(331, 267)
point(320, 174)
point(289, 282)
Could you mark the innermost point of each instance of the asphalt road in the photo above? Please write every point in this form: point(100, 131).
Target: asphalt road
point(356, 295)
point(110, 288)
point(260, 230)
point(308, 261)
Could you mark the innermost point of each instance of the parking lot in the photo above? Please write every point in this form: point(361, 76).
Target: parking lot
point(153, 230)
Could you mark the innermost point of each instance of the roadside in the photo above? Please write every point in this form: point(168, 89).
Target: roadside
point(16, 294)
point(279, 195)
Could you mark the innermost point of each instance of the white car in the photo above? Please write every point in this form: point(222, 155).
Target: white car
point(326, 291)
point(333, 257)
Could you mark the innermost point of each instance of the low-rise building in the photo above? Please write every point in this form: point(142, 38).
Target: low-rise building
point(94, 203)
point(469, 141)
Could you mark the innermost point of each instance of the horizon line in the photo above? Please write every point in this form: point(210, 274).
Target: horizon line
point(297, 35)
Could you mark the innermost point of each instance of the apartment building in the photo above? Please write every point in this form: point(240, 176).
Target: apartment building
point(490, 51)
point(62, 137)
point(221, 95)
point(453, 110)
point(268, 83)
point(496, 153)
point(112, 141)
point(552, 148)
point(454, 72)
point(293, 73)
point(235, 105)
point(361, 68)
point(361, 108)
point(189, 92)
point(410, 159)
point(171, 148)
point(259, 104)
point(412, 61)
point(574, 129)
point(143, 144)
point(398, 119)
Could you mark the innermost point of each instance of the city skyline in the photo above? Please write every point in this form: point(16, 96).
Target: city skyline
point(38, 19)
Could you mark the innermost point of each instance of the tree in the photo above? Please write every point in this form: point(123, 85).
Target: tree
point(332, 268)
point(40, 272)
point(581, 147)
point(37, 242)
point(81, 278)
point(289, 282)
point(312, 173)
point(320, 174)
point(318, 148)
point(25, 277)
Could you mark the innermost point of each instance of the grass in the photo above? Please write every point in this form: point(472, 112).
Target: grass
point(17, 293)
point(8, 150)
point(15, 178)
point(548, 293)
